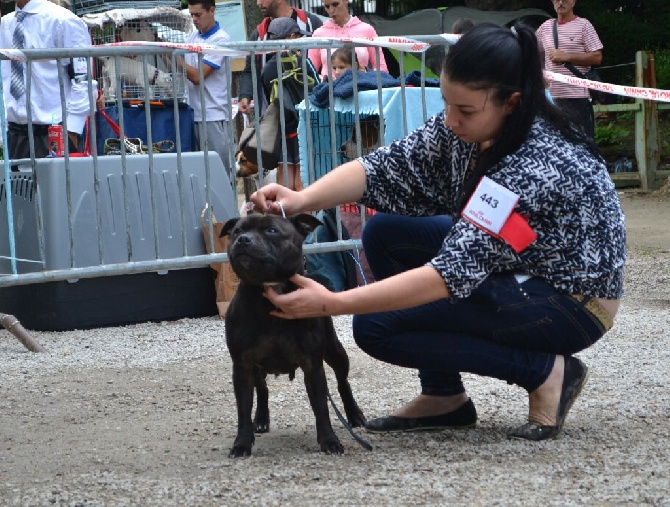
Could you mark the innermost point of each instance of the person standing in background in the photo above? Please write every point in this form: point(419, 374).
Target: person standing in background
point(272, 9)
point(41, 24)
point(215, 70)
point(286, 29)
point(343, 24)
point(579, 45)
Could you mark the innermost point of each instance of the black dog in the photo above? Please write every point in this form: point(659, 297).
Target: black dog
point(266, 249)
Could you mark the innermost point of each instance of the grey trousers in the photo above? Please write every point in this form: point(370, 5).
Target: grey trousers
point(218, 139)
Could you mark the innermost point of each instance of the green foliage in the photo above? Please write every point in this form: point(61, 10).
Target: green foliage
point(662, 65)
point(624, 27)
point(610, 134)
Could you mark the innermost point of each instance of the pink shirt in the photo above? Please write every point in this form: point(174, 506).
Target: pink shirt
point(352, 28)
point(574, 36)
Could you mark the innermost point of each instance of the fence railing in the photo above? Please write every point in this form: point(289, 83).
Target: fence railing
point(647, 139)
point(72, 218)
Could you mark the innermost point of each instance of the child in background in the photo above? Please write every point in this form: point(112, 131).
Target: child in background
point(342, 60)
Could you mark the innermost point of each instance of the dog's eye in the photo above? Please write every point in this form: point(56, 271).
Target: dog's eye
point(273, 230)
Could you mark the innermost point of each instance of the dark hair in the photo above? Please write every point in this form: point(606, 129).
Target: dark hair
point(345, 54)
point(462, 25)
point(508, 61)
point(206, 4)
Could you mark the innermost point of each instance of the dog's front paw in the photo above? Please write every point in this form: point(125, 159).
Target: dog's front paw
point(261, 425)
point(240, 451)
point(262, 419)
point(332, 446)
point(242, 447)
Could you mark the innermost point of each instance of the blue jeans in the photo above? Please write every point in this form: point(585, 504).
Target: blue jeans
point(504, 329)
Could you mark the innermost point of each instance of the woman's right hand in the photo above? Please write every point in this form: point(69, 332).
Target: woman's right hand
point(278, 200)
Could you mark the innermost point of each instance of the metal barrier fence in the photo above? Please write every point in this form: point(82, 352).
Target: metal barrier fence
point(102, 215)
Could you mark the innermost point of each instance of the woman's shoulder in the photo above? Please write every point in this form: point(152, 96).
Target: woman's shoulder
point(361, 26)
point(547, 149)
point(325, 29)
point(436, 136)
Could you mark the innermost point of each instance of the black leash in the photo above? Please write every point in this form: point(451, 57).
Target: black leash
point(364, 443)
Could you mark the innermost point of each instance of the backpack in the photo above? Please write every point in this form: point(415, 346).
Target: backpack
point(334, 270)
point(293, 81)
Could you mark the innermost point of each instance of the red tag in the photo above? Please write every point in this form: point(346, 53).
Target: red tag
point(517, 233)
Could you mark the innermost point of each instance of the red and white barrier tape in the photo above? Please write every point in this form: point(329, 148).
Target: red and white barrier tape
point(399, 44)
point(625, 91)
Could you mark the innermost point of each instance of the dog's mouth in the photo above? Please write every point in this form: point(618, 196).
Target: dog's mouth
point(248, 260)
point(253, 265)
point(260, 270)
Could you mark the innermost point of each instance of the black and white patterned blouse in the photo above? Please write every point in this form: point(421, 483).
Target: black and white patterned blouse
point(566, 194)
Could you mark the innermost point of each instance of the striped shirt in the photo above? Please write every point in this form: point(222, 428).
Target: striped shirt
point(575, 36)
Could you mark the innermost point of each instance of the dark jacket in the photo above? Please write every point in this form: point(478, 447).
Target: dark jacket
point(293, 88)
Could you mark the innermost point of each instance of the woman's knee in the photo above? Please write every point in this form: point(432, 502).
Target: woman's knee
point(366, 333)
point(376, 229)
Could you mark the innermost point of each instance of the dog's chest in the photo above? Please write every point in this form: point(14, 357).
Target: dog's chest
point(276, 345)
point(280, 352)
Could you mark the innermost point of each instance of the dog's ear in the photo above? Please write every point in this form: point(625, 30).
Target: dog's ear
point(305, 223)
point(228, 226)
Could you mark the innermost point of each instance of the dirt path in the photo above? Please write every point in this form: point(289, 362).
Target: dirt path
point(144, 415)
point(647, 220)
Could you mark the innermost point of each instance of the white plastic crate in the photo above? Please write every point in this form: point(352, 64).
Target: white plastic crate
point(82, 7)
point(152, 25)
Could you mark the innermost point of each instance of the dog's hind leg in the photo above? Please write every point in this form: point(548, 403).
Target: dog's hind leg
point(336, 357)
point(243, 383)
point(262, 417)
point(317, 391)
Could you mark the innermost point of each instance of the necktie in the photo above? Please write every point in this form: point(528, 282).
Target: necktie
point(17, 86)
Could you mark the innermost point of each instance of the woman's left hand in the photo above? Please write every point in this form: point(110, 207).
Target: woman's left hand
point(311, 299)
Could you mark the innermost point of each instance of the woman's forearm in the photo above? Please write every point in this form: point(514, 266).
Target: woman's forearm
point(405, 290)
point(344, 184)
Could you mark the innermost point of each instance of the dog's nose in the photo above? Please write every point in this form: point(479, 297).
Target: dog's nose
point(245, 238)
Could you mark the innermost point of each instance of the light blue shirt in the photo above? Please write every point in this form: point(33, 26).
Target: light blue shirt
point(216, 85)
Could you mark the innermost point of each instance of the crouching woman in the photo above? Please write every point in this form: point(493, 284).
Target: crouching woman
point(498, 249)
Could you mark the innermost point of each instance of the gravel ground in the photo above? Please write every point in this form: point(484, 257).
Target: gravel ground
point(145, 415)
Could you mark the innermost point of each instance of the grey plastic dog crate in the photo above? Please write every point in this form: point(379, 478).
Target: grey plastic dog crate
point(126, 235)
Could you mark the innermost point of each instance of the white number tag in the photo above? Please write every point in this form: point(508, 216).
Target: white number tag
point(79, 65)
point(490, 206)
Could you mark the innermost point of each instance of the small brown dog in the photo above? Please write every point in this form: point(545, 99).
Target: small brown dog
point(243, 166)
point(370, 138)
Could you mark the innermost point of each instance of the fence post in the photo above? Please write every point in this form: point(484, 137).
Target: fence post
point(647, 142)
